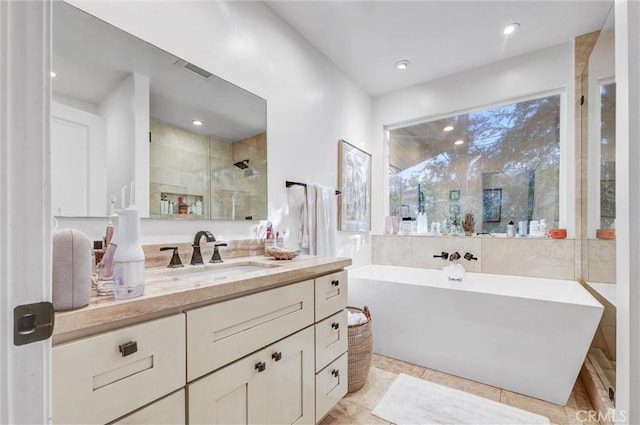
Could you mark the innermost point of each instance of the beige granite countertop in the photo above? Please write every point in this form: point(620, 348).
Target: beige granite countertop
point(166, 293)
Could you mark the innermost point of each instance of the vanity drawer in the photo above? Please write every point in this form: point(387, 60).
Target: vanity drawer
point(167, 411)
point(331, 294)
point(94, 382)
point(331, 386)
point(331, 339)
point(221, 333)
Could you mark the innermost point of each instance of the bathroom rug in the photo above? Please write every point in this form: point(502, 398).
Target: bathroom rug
point(412, 400)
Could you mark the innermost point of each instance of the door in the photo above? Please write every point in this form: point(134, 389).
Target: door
point(25, 212)
point(233, 395)
point(291, 373)
point(272, 386)
point(78, 162)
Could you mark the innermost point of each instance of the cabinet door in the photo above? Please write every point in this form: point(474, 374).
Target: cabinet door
point(291, 393)
point(169, 410)
point(235, 394)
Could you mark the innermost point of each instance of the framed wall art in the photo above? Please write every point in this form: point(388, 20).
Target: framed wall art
point(354, 181)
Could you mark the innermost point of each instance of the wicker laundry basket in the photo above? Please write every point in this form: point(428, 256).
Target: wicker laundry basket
point(360, 348)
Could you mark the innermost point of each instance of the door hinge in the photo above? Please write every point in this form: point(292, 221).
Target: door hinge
point(32, 322)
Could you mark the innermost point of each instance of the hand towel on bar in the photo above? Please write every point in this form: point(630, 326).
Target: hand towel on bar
point(303, 234)
point(326, 209)
point(310, 225)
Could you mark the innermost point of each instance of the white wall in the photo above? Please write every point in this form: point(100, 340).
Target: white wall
point(126, 113)
point(310, 103)
point(542, 71)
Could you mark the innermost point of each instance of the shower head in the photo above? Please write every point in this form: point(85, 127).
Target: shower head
point(242, 164)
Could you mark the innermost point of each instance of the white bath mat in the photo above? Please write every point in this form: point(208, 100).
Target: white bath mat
point(412, 400)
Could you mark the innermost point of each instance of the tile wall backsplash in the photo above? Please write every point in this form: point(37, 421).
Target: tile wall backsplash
point(547, 258)
point(601, 261)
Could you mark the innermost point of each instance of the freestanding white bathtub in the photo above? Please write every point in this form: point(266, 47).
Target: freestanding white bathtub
point(526, 335)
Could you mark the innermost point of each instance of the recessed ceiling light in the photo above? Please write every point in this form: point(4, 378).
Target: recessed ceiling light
point(53, 74)
point(509, 29)
point(196, 122)
point(402, 65)
point(448, 128)
point(459, 142)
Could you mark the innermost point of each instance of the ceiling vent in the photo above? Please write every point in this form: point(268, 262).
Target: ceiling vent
point(195, 69)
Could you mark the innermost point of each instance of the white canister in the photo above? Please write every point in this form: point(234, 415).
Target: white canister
point(522, 228)
point(534, 227)
point(128, 260)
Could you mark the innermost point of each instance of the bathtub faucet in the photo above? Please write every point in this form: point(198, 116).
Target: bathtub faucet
point(455, 256)
point(443, 255)
point(469, 256)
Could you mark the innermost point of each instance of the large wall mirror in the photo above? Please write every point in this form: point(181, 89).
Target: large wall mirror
point(124, 110)
point(599, 80)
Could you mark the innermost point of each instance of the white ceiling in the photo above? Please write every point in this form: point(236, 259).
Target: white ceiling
point(365, 38)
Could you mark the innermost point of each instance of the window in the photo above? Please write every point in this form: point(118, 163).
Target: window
point(501, 164)
point(607, 155)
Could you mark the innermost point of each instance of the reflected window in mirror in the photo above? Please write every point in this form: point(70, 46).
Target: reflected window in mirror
point(599, 133)
point(500, 164)
point(608, 155)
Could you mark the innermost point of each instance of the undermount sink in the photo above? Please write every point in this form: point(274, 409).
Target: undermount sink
point(219, 271)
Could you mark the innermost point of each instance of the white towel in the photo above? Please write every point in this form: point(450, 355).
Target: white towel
point(326, 221)
point(303, 235)
point(310, 200)
point(318, 223)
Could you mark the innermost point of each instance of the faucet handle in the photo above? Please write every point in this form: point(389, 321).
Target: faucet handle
point(215, 258)
point(175, 258)
point(443, 255)
point(469, 256)
point(196, 257)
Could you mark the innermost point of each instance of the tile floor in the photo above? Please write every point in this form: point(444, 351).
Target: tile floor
point(356, 408)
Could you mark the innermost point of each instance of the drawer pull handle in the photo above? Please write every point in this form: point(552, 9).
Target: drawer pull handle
point(277, 356)
point(335, 282)
point(261, 366)
point(335, 325)
point(335, 372)
point(128, 348)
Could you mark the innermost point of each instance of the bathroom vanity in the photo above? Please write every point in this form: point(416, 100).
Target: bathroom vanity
point(267, 345)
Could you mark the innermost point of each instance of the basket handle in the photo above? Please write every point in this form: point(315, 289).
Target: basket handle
point(367, 313)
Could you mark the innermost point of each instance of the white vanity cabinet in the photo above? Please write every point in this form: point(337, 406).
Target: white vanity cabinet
point(271, 356)
point(272, 386)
